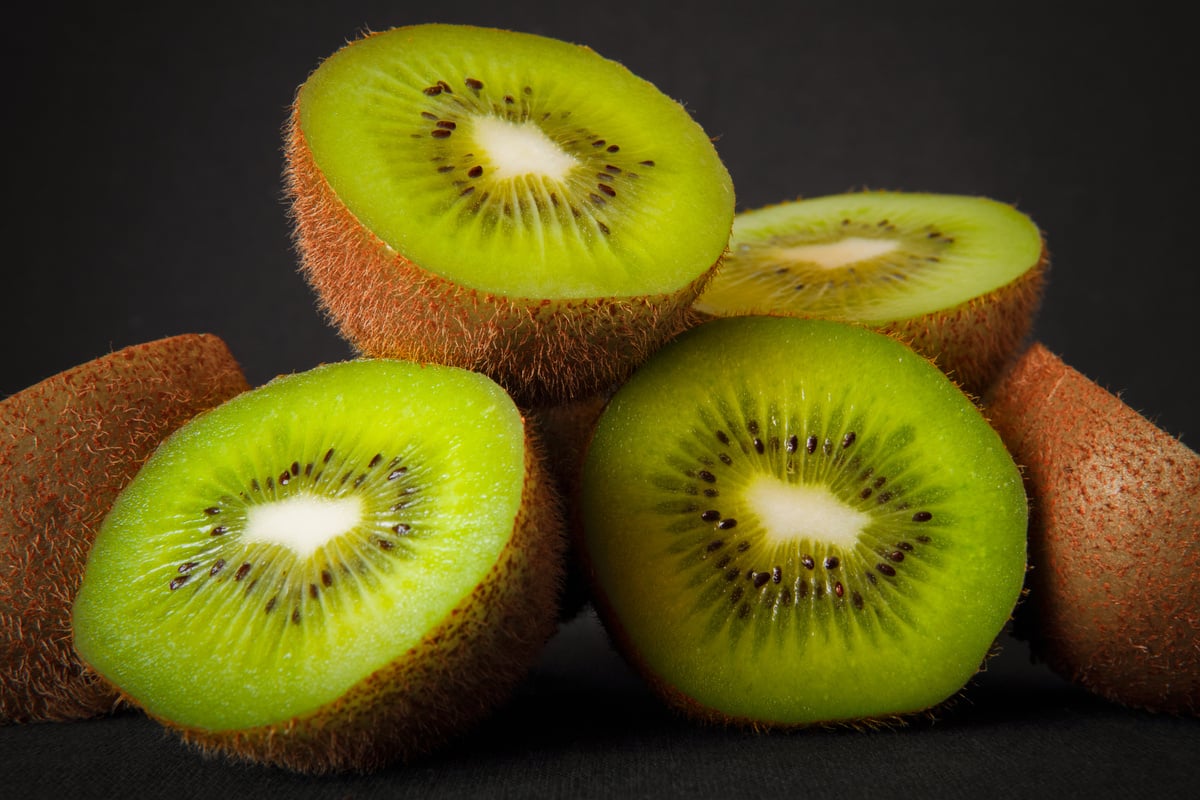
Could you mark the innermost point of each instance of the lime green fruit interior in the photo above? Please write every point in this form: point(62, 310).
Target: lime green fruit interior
point(462, 147)
point(368, 499)
point(871, 257)
point(742, 457)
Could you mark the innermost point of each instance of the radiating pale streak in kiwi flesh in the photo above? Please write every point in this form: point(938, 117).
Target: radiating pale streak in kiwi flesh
point(793, 511)
point(302, 522)
point(833, 255)
point(521, 148)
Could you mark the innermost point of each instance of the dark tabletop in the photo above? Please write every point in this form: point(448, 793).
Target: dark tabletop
point(143, 164)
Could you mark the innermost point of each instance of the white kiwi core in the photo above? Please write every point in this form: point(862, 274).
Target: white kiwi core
point(302, 522)
point(519, 149)
point(791, 511)
point(837, 254)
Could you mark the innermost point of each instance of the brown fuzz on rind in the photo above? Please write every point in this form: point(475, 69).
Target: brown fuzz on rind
point(459, 673)
point(975, 341)
point(541, 351)
point(68, 445)
point(565, 428)
point(1114, 589)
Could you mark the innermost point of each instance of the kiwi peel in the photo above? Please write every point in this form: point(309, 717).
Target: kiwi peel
point(502, 202)
point(1114, 540)
point(792, 522)
point(959, 278)
point(379, 542)
point(68, 446)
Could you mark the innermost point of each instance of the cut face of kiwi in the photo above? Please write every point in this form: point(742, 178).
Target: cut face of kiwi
point(68, 445)
point(958, 277)
point(503, 202)
point(1114, 539)
point(339, 569)
point(791, 522)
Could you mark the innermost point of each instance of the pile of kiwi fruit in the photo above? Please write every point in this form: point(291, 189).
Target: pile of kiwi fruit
point(803, 461)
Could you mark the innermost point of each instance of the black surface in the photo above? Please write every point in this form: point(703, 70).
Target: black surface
point(143, 161)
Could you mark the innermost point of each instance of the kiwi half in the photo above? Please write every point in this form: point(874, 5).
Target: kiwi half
point(68, 445)
point(503, 202)
point(337, 570)
point(960, 278)
point(791, 522)
point(1114, 540)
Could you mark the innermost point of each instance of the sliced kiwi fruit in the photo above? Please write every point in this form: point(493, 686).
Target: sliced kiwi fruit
point(503, 202)
point(340, 569)
point(792, 522)
point(1114, 539)
point(68, 445)
point(960, 278)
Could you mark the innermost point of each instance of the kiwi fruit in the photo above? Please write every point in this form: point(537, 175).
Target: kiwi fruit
point(340, 569)
point(1114, 540)
point(68, 445)
point(957, 277)
point(792, 522)
point(503, 202)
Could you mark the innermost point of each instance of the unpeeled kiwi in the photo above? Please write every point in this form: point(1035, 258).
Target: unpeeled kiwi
point(957, 277)
point(68, 445)
point(1114, 542)
point(791, 522)
point(503, 202)
point(338, 570)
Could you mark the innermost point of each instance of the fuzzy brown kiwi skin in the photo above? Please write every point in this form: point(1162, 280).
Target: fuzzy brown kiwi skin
point(449, 682)
point(1114, 591)
point(68, 445)
point(566, 429)
point(541, 351)
point(974, 342)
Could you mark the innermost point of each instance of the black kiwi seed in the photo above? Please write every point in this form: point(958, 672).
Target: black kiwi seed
point(811, 444)
point(217, 566)
point(922, 516)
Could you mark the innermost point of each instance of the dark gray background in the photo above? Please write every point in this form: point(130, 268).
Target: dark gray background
point(143, 171)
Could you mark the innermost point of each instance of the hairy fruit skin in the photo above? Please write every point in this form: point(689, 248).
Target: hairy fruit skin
point(1114, 590)
point(541, 351)
point(68, 445)
point(975, 341)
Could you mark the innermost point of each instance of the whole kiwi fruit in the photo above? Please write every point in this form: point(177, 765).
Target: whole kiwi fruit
point(791, 522)
point(341, 569)
point(68, 446)
point(1114, 541)
point(503, 202)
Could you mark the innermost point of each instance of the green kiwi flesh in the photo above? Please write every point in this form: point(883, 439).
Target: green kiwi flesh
point(960, 277)
point(324, 573)
point(517, 164)
point(503, 202)
point(789, 522)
